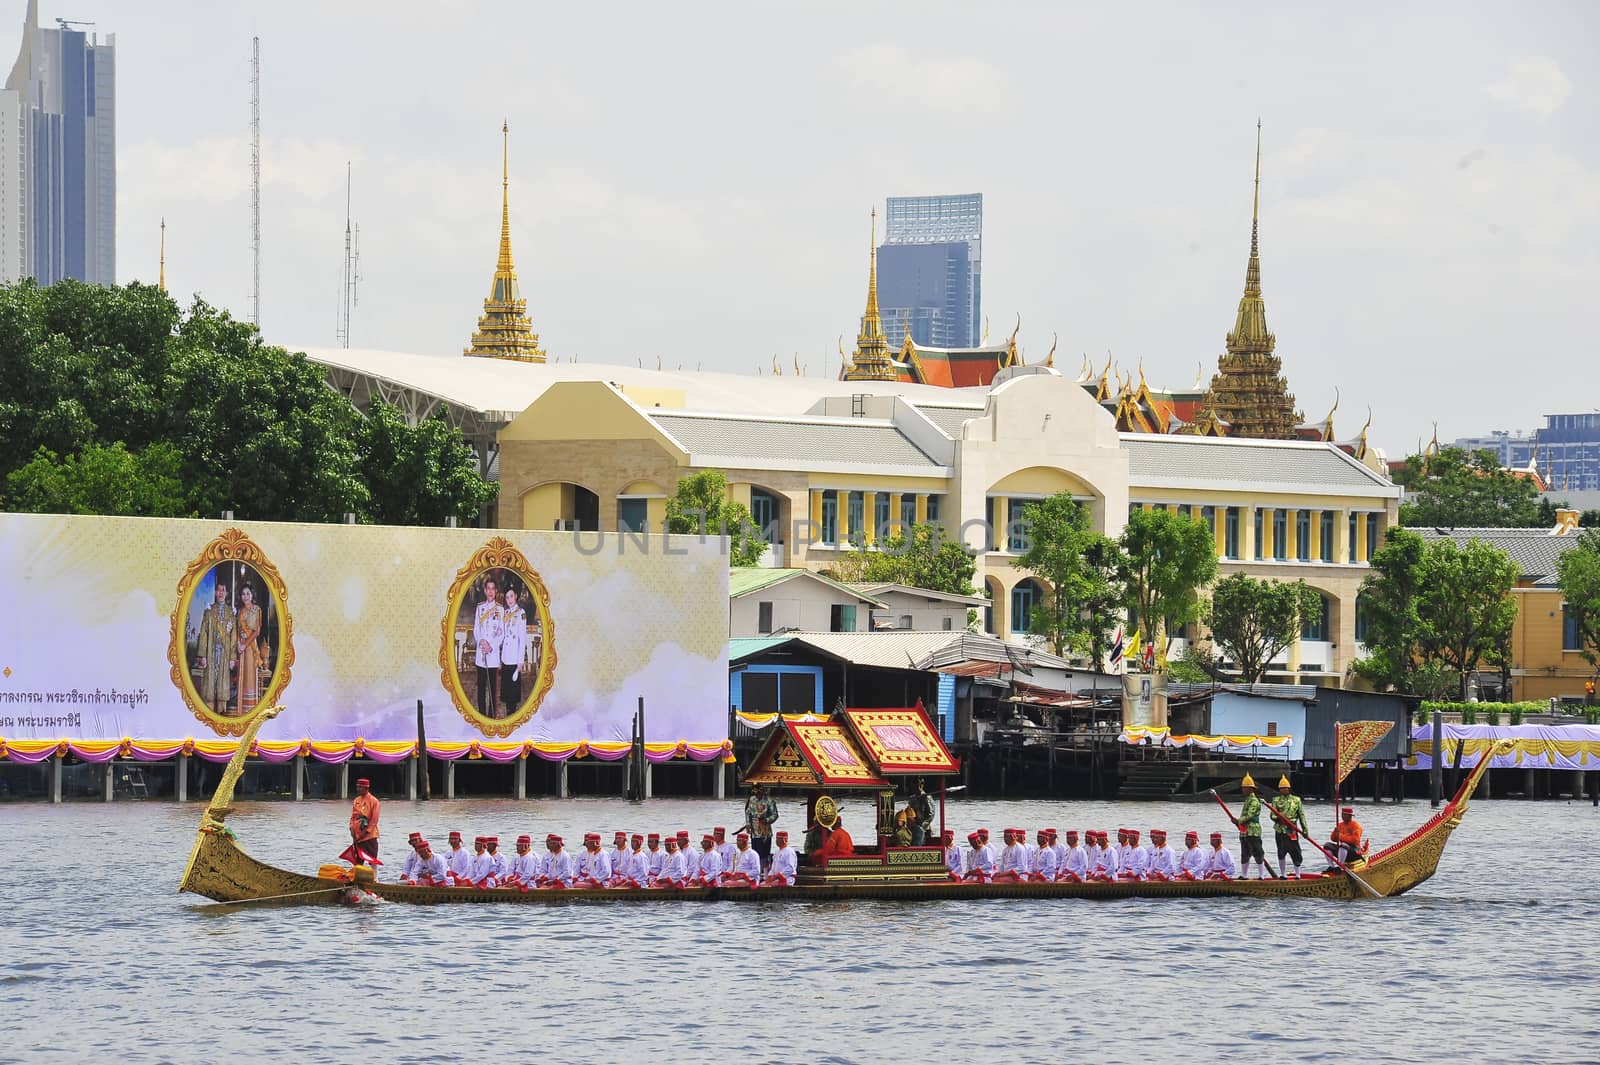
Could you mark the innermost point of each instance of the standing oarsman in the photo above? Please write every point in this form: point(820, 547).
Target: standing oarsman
point(1292, 810)
point(1194, 862)
point(760, 812)
point(785, 863)
point(1249, 822)
point(1219, 865)
point(364, 810)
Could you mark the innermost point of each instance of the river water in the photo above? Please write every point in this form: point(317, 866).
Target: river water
point(1493, 960)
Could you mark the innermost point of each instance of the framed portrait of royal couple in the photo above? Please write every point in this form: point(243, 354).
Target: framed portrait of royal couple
point(497, 653)
point(231, 644)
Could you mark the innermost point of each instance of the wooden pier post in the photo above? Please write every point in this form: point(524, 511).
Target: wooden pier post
point(1436, 774)
point(522, 778)
point(411, 779)
point(55, 779)
point(182, 789)
point(649, 780)
point(561, 780)
point(344, 779)
point(299, 777)
point(450, 779)
point(111, 780)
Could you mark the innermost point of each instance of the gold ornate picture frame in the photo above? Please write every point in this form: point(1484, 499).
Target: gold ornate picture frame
point(457, 647)
point(272, 641)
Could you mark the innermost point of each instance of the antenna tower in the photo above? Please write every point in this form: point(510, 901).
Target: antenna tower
point(255, 181)
point(352, 267)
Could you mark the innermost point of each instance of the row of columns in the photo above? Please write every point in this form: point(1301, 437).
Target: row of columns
point(1247, 532)
point(869, 512)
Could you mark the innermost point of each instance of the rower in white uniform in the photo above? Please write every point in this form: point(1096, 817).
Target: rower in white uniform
point(1043, 869)
point(1136, 861)
point(557, 869)
point(1074, 867)
point(746, 871)
point(952, 854)
point(1194, 862)
point(785, 863)
point(1163, 859)
point(1220, 864)
point(710, 861)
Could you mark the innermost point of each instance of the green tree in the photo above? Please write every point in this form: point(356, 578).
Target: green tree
point(701, 506)
point(100, 480)
point(1388, 602)
point(1058, 533)
point(1459, 489)
point(1170, 558)
point(1464, 606)
point(919, 557)
point(1578, 573)
point(1253, 620)
point(418, 474)
point(1104, 595)
point(254, 428)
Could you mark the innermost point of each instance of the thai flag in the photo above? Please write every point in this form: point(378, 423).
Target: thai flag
point(1118, 646)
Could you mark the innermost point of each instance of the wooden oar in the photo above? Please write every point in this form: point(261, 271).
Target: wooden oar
point(1368, 888)
point(1270, 867)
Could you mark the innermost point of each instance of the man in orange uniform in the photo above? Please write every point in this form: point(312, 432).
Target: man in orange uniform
point(364, 819)
point(837, 843)
point(1347, 837)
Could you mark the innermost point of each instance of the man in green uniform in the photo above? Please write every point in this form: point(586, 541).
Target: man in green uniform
point(1249, 825)
point(1293, 812)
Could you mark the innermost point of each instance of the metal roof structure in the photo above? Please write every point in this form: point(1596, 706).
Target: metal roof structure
point(742, 580)
point(795, 443)
point(1535, 551)
point(1252, 465)
point(949, 419)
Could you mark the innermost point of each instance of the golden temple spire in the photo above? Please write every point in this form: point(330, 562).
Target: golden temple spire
point(163, 281)
point(504, 331)
point(871, 361)
point(1249, 392)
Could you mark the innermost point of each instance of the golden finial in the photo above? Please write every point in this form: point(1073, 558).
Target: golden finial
point(1255, 207)
point(1327, 423)
point(1050, 359)
point(776, 370)
point(163, 280)
point(797, 372)
point(1199, 376)
point(985, 339)
point(872, 269)
point(1142, 386)
point(1085, 371)
point(658, 362)
point(1013, 357)
point(504, 331)
point(871, 361)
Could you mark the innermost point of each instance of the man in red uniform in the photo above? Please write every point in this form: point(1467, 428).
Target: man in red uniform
point(364, 811)
point(836, 842)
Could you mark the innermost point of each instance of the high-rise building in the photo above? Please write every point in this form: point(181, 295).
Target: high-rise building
point(61, 162)
point(1569, 451)
point(1513, 451)
point(930, 270)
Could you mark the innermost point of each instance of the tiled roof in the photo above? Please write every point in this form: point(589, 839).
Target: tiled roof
point(849, 441)
point(949, 419)
point(1533, 550)
point(742, 580)
point(1286, 466)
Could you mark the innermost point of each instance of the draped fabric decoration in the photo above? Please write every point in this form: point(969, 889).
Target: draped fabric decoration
point(1163, 737)
point(1352, 740)
point(383, 752)
point(761, 721)
point(1536, 746)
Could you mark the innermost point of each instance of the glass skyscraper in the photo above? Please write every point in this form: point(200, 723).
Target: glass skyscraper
point(58, 156)
point(930, 270)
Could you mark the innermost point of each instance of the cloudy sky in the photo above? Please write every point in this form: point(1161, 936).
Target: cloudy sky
point(692, 181)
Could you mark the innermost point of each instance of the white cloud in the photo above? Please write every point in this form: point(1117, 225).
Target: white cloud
point(1534, 84)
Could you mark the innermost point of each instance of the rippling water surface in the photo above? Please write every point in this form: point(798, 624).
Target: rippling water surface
point(1493, 960)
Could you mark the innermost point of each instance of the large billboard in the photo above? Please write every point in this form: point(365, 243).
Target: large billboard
point(151, 628)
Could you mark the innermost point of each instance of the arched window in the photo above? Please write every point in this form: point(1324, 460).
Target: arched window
point(988, 608)
point(1361, 619)
point(1024, 597)
point(1315, 627)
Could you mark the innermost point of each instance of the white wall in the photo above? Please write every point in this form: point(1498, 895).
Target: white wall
point(796, 604)
point(926, 615)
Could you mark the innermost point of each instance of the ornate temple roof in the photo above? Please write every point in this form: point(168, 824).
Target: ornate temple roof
point(504, 331)
point(1249, 392)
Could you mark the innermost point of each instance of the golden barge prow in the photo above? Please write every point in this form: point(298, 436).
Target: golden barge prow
point(220, 869)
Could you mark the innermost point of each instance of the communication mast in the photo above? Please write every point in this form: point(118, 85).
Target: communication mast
point(255, 180)
point(352, 267)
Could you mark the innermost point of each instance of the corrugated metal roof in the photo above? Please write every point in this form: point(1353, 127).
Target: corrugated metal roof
point(1534, 551)
point(1285, 466)
point(803, 441)
point(741, 647)
point(886, 650)
point(742, 580)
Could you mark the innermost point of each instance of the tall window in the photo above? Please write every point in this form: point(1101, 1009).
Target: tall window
point(1571, 639)
point(1351, 539)
point(1230, 533)
point(1327, 536)
point(842, 618)
point(1315, 627)
point(1209, 516)
point(1185, 510)
point(908, 511)
point(1280, 534)
point(1016, 528)
point(763, 617)
point(830, 517)
point(856, 515)
point(933, 508)
point(1302, 525)
point(764, 510)
point(1361, 620)
point(1024, 597)
point(1259, 524)
point(1372, 534)
point(880, 520)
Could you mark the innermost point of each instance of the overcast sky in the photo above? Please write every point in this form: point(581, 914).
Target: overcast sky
point(692, 181)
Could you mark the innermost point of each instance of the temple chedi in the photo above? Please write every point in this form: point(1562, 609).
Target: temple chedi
point(1249, 394)
point(504, 331)
point(871, 361)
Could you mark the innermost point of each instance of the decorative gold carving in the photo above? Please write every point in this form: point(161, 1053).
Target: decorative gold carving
point(232, 546)
point(504, 331)
point(498, 554)
point(871, 361)
point(826, 811)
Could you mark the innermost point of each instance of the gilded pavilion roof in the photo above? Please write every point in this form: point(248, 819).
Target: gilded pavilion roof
point(504, 331)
